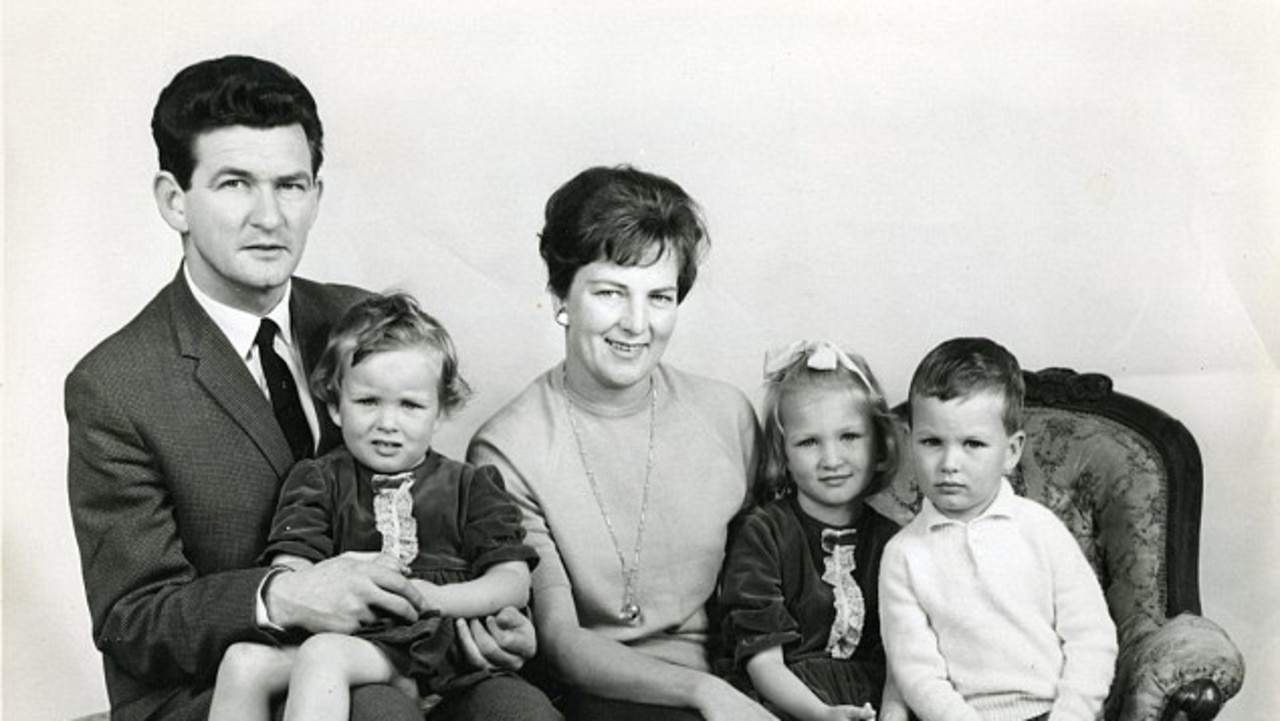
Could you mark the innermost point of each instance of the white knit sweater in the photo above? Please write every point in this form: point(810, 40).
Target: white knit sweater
point(997, 619)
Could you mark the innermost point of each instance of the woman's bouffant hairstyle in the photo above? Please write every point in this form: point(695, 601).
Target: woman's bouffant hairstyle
point(774, 479)
point(620, 214)
point(382, 323)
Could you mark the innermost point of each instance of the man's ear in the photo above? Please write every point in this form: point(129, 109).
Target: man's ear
point(315, 207)
point(171, 200)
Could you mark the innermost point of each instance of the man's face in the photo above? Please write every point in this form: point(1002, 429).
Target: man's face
point(246, 216)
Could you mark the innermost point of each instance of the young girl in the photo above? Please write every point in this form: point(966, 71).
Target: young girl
point(800, 584)
point(388, 376)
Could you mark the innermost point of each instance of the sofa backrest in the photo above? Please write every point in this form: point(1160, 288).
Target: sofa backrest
point(1123, 476)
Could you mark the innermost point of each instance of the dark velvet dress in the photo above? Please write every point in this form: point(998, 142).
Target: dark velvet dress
point(774, 595)
point(465, 524)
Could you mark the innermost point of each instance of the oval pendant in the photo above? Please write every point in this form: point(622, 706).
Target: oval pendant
point(629, 614)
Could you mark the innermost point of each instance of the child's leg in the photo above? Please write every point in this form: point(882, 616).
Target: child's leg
point(248, 677)
point(327, 666)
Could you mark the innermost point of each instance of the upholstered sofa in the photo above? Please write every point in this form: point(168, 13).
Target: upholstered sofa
point(1127, 480)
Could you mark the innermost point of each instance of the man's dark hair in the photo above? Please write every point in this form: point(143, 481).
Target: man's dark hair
point(227, 91)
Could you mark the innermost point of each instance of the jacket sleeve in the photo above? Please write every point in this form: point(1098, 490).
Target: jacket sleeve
point(152, 613)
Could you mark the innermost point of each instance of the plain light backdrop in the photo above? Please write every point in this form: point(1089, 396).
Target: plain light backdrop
point(1094, 184)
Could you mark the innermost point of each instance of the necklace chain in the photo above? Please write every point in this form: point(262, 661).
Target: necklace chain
point(630, 611)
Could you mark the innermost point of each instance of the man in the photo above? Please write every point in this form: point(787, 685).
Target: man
point(185, 422)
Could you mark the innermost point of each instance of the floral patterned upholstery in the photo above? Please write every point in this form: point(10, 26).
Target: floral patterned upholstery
point(1126, 480)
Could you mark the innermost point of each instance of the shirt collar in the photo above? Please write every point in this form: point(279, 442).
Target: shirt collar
point(1001, 507)
point(240, 327)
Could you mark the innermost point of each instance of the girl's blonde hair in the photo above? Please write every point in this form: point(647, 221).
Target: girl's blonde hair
point(822, 365)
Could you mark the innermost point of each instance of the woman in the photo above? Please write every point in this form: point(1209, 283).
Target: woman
point(628, 470)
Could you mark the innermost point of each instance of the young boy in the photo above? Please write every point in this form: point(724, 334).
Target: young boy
point(989, 609)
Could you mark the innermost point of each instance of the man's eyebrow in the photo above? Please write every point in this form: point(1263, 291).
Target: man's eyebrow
point(232, 171)
point(295, 177)
point(235, 172)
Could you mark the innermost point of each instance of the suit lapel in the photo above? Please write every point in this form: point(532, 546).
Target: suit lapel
point(224, 375)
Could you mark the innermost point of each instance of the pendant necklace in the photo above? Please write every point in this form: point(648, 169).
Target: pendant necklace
point(629, 613)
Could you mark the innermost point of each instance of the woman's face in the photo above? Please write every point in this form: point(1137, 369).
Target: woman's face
point(619, 321)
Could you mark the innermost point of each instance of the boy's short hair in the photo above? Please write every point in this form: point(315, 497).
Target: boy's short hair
point(381, 323)
point(224, 92)
point(964, 366)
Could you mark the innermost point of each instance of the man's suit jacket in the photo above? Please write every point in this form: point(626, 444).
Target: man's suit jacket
point(175, 465)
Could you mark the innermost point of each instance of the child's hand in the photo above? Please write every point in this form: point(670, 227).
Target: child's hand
point(429, 592)
point(381, 559)
point(392, 563)
point(865, 712)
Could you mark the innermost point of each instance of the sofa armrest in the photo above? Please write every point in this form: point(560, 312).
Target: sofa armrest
point(1186, 665)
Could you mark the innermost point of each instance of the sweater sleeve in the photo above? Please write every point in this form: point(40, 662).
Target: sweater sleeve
point(911, 645)
point(487, 450)
point(1084, 627)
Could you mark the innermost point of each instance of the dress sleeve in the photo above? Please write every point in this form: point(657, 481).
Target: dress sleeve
point(756, 616)
point(492, 532)
point(303, 524)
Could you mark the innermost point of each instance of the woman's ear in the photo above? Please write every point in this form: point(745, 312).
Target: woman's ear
point(334, 415)
point(171, 200)
point(562, 317)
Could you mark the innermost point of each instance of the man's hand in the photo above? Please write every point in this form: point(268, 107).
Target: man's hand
point(340, 594)
point(504, 640)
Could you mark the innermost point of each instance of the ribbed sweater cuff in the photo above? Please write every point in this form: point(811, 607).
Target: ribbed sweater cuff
point(1011, 707)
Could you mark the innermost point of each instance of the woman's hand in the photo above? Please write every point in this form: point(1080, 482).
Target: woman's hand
point(716, 700)
point(504, 640)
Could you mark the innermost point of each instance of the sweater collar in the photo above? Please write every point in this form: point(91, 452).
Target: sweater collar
point(1001, 507)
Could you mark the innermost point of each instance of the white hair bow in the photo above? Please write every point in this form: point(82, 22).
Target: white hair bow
point(819, 355)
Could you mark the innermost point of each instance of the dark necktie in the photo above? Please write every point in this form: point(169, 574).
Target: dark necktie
point(283, 391)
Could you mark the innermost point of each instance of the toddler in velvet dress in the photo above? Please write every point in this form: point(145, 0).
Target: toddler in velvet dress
point(800, 585)
point(388, 376)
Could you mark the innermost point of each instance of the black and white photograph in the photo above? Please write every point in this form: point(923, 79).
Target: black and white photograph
point(657, 361)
